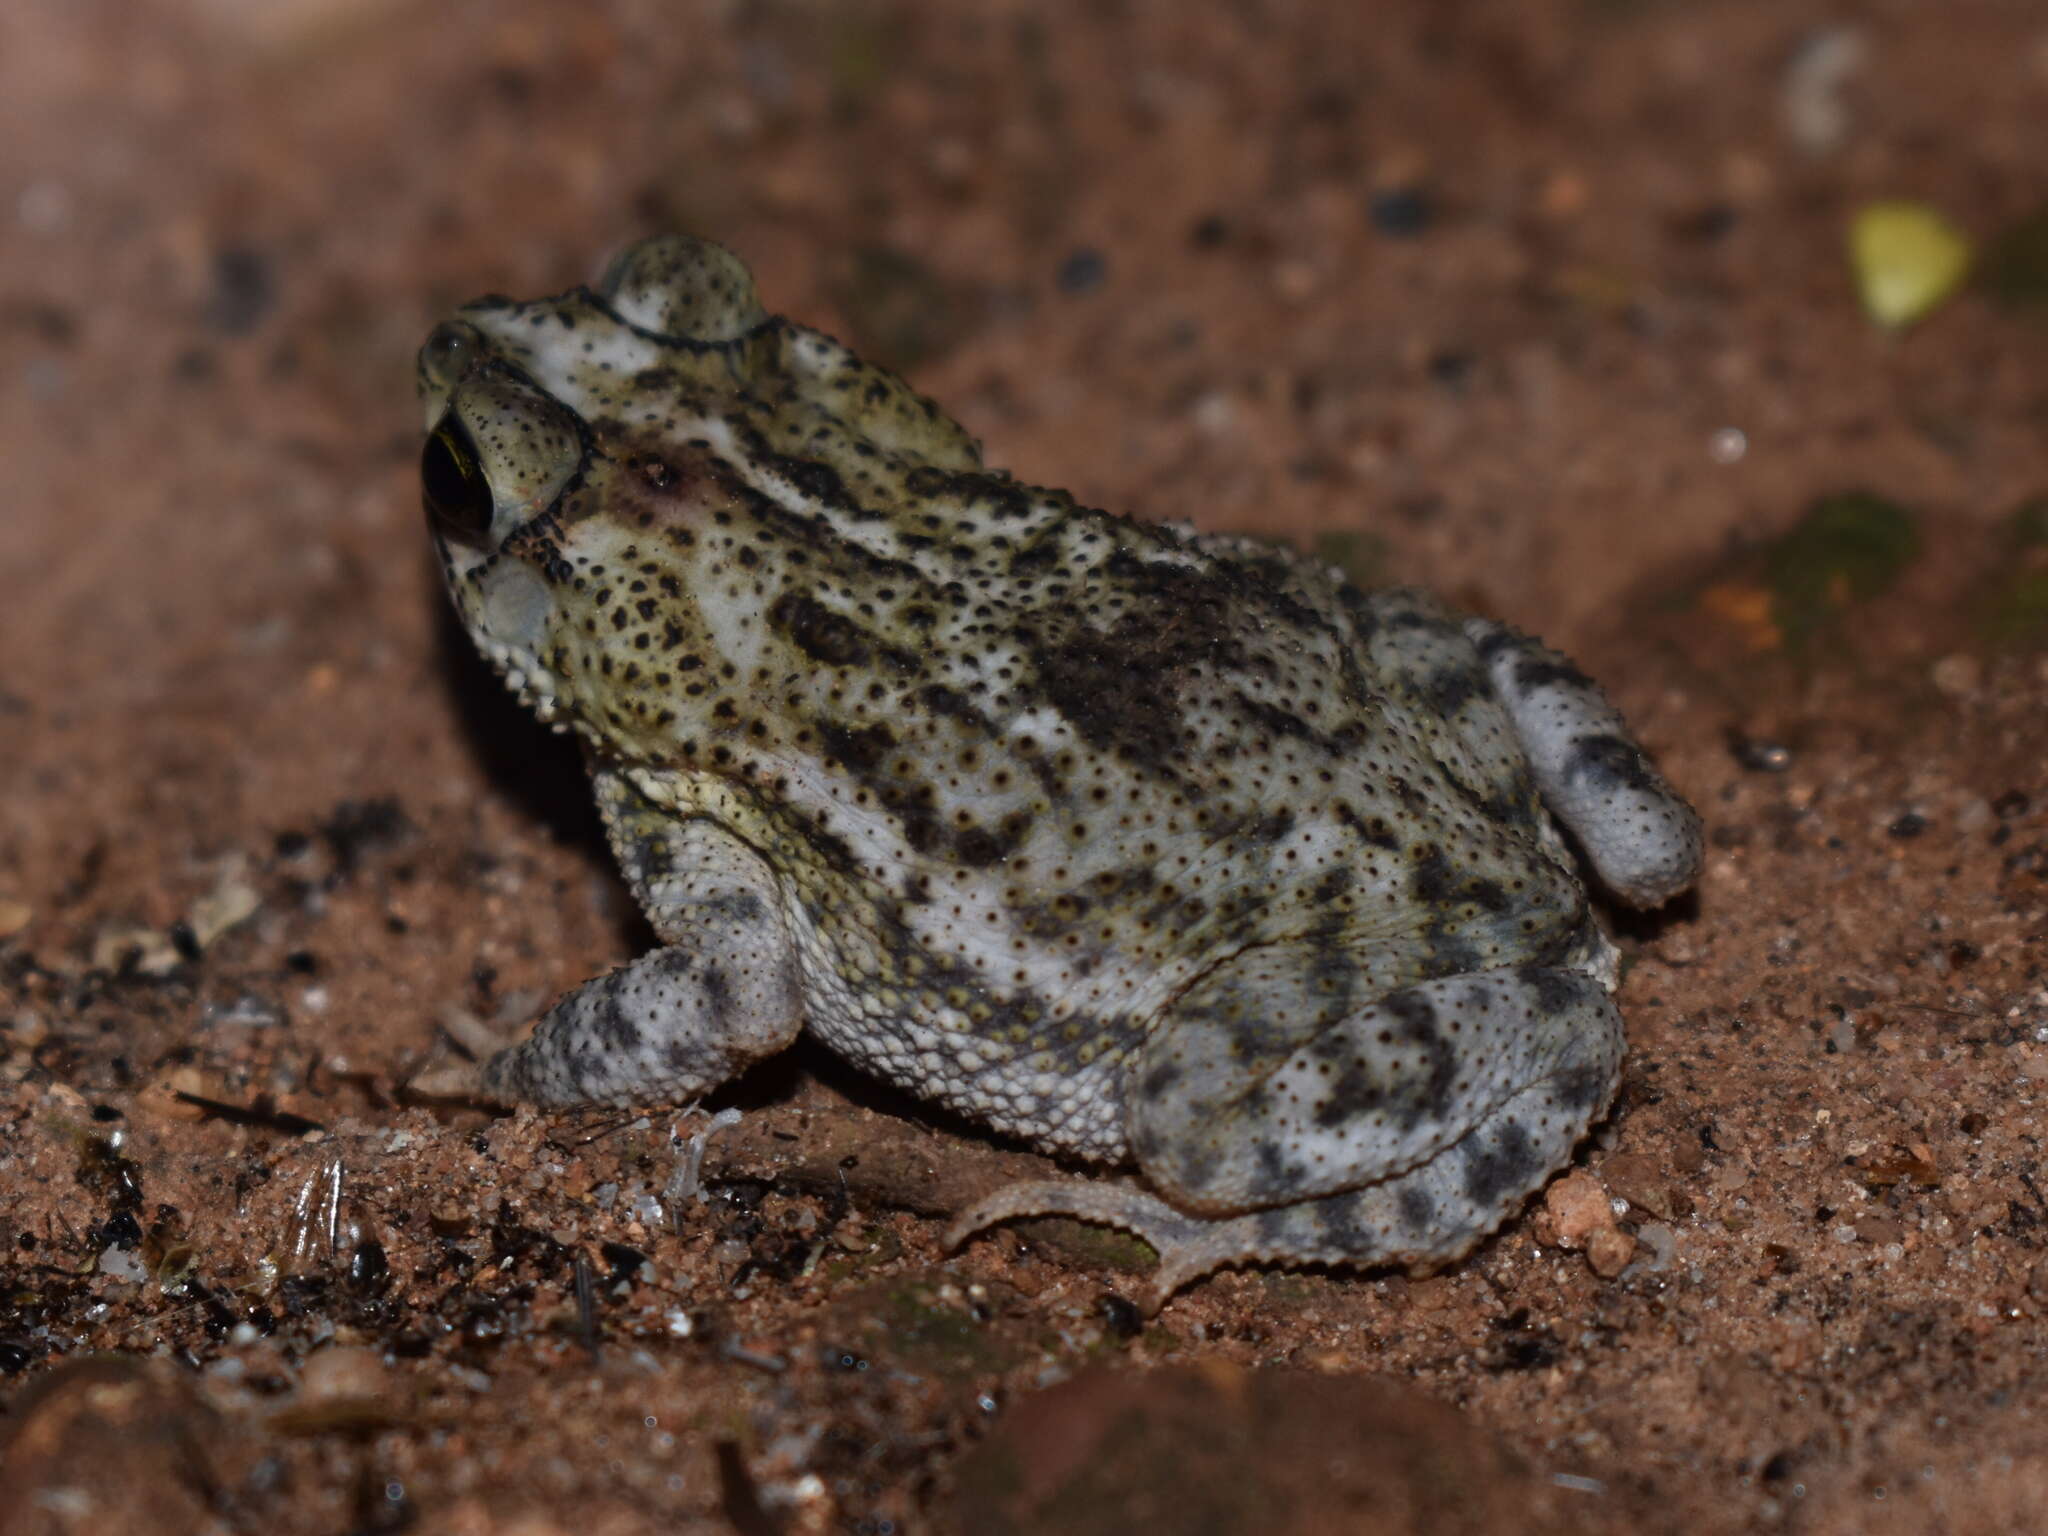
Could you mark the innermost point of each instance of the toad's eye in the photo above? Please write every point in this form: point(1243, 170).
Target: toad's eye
point(453, 486)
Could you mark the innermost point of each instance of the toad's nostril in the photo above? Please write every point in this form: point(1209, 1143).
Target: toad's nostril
point(448, 354)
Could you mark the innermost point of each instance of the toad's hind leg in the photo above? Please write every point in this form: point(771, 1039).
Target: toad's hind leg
point(1427, 669)
point(1403, 1134)
point(1641, 839)
point(1424, 1218)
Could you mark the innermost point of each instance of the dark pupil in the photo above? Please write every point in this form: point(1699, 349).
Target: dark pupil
point(452, 484)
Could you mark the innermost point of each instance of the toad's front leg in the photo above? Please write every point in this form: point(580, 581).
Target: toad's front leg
point(675, 1023)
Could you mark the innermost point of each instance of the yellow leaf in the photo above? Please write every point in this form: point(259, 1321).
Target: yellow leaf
point(1907, 259)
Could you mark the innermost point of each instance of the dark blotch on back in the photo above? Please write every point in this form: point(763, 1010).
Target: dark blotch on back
point(980, 847)
point(1496, 641)
point(1284, 723)
point(860, 748)
point(1273, 827)
point(818, 632)
point(813, 479)
point(1438, 883)
point(988, 489)
point(1375, 833)
point(951, 704)
point(1544, 672)
point(1450, 688)
point(1121, 688)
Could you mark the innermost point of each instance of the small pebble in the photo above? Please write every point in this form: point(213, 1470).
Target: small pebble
point(1608, 1251)
point(121, 1264)
point(1639, 1180)
point(1564, 194)
point(1759, 754)
point(1574, 1207)
point(1657, 1243)
point(1452, 369)
point(233, 900)
point(1083, 271)
point(2037, 1282)
point(342, 1373)
point(1958, 676)
point(1814, 91)
point(1403, 212)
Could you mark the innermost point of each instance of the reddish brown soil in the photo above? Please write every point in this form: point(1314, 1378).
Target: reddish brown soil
point(267, 832)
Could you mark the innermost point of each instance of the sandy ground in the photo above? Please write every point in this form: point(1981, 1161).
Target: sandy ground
point(1543, 304)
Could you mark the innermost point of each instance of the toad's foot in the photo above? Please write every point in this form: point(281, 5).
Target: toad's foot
point(1188, 1246)
point(1339, 1229)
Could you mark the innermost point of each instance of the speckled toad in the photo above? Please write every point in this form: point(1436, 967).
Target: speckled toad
point(1146, 846)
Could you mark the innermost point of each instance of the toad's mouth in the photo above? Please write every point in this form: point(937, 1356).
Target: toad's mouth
point(505, 605)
